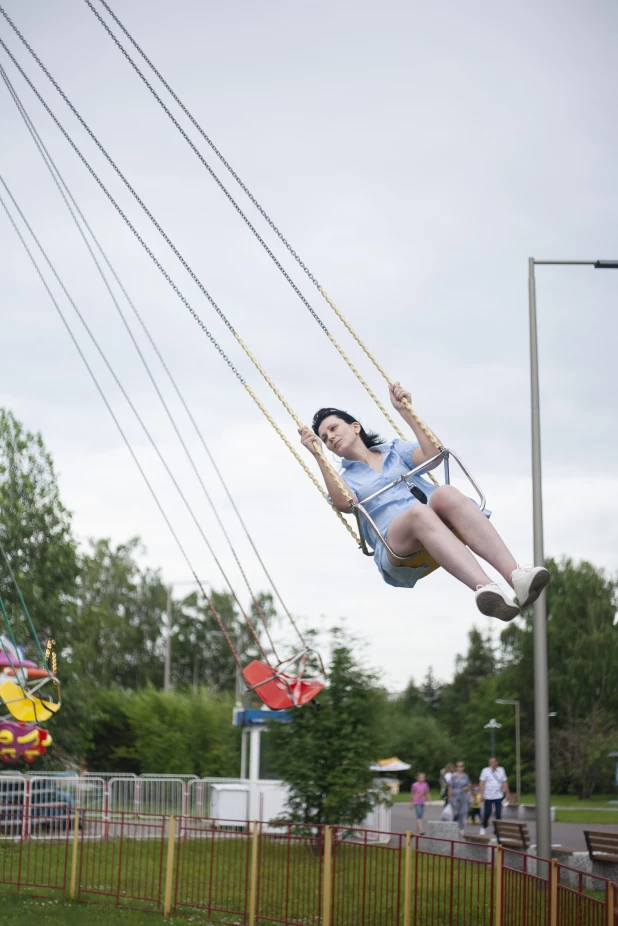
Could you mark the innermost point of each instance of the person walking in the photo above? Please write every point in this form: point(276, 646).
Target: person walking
point(494, 788)
point(458, 789)
point(445, 780)
point(419, 794)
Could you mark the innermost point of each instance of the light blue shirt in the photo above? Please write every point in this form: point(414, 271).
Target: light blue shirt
point(364, 481)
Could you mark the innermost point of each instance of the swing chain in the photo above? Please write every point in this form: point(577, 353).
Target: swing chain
point(50, 651)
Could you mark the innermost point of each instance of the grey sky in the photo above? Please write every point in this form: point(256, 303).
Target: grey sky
point(415, 156)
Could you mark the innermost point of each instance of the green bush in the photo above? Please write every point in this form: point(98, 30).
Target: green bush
point(149, 731)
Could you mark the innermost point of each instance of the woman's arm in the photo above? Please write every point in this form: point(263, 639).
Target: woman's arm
point(427, 448)
point(313, 444)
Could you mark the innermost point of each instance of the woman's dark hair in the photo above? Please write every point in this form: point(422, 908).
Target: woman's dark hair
point(369, 439)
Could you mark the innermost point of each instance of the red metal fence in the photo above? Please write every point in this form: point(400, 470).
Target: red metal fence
point(233, 871)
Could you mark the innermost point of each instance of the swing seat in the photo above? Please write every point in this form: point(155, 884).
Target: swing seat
point(29, 672)
point(278, 690)
point(26, 707)
point(420, 559)
point(423, 558)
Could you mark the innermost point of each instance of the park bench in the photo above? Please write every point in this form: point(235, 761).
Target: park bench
point(602, 847)
point(476, 837)
point(513, 835)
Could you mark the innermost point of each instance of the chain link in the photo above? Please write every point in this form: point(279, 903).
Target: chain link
point(153, 257)
point(214, 176)
point(210, 143)
point(74, 211)
point(267, 219)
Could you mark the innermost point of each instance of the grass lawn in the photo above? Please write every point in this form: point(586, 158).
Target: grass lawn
point(213, 884)
point(558, 800)
point(587, 816)
point(19, 911)
point(595, 809)
point(571, 800)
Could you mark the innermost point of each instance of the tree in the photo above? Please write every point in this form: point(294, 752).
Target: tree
point(200, 652)
point(582, 642)
point(324, 755)
point(171, 732)
point(412, 697)
point(580, 753)
point(416, 736)
point(583, 664)
point(431, 690)
point(462, 705)
point(35, 529)
point(116, 629)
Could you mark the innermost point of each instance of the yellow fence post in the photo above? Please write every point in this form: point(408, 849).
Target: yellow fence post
point(498, 885)
point(169, 869)
point(74, 854)
point(328, 875)
point(408, 879)
point(611, 902)
point(553, 893)
point(253, 884)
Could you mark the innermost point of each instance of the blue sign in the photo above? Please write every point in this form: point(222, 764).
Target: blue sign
point(254, 717)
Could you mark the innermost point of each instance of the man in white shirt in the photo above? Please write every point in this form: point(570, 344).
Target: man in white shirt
point(494, 788)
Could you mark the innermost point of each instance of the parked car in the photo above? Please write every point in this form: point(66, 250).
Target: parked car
point(50, 809)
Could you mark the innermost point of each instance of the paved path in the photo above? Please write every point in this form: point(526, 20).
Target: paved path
point(565, 834)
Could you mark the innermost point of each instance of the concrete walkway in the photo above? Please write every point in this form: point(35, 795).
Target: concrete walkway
point(565, 834)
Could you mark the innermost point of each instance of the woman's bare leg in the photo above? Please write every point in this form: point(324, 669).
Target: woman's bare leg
point(474, 528)
point(420, 527)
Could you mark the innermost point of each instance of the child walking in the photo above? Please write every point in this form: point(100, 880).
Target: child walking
point(419, 794)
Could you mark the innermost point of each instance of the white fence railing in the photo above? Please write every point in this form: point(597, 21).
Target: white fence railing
point(43, 806)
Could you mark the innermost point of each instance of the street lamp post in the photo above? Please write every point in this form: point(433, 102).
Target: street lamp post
point(541, 691)
point(517, 745)
point(168, 642)
point(492, 726)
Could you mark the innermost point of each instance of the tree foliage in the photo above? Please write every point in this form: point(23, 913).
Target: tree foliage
point(583, 664)
point(107, 612)
point(35, 530)
point(184, 733)
point(115, 636)
point(200, 652)
point(323, 755)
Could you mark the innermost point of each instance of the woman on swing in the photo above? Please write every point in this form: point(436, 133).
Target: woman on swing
point(407, 522)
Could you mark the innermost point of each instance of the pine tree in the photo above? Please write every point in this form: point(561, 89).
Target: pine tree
point(324, 754)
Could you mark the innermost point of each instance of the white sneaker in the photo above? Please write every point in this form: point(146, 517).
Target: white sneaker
point(482, 831)
point(492, 601)
point(528, 583)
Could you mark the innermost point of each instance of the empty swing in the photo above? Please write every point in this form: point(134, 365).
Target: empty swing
point(278, 683)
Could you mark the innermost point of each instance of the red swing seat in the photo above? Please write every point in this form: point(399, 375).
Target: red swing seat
point(279, 690)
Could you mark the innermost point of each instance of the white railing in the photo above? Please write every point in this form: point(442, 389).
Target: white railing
point(43, 806)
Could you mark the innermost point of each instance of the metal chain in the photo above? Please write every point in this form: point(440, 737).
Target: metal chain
point(50, 651)
point(205, 163)
point(235, 205)
point(267, 219)
point(127, 221)
point(139, 418)
point(211, 144)
point(426, 430)
point(74, 211)
point(122, 434)
point(147, 249)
